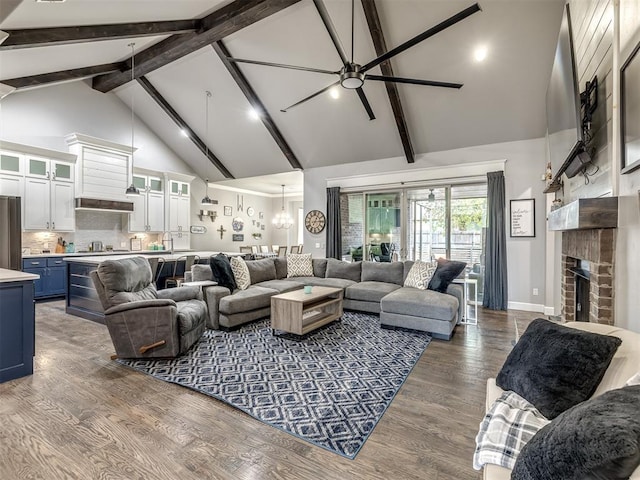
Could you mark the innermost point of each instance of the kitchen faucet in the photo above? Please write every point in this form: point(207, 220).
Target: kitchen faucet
point(167, 242)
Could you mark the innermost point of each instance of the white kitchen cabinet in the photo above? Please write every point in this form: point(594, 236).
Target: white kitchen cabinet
point(148, 208)
point(49, 205)
point(49, 169)
point(177, 187)
point(179, 213)
point(181, 240)
point(11, 185)
point(11, 163)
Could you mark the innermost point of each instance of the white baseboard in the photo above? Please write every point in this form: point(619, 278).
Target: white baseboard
point(527, 307)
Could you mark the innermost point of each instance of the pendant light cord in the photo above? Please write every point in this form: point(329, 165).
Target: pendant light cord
point(133, 66)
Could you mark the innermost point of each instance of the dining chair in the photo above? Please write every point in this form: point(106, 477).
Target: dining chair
point(254, 249)
point(245, 249)
point(282, 251)
point(300, 248)
point(294, 249)
point(264, 249)
point(275, 248)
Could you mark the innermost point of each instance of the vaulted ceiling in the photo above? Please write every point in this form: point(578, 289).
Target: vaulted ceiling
point(183, 49)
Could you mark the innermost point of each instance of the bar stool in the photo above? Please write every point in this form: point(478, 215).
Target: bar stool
point(175, 280)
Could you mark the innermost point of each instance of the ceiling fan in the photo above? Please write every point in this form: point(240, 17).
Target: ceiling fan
point(352, 76)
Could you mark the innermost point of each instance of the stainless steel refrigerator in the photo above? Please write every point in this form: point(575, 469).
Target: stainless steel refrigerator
point(10, 233)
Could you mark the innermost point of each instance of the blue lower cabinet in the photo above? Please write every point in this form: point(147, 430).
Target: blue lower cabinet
point(53, 276)
point(17, 324)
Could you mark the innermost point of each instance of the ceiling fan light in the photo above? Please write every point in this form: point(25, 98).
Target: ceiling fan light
point(351, 80)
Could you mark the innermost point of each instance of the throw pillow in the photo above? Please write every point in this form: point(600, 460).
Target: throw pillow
point(222, 272)
point(446, 272)
point(506, 428)
point(201, 273)
point(597, 439)
point(261, 270)
point(420, 274)
point(345, 270)
point(299, 265)
point(240, 272)
point(556, 367)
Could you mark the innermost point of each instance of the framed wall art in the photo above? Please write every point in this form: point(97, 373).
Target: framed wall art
point(523, 218)
point(630, 112)
point(228, 211)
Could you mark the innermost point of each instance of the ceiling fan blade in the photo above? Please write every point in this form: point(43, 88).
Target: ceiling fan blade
point(324, 15)
point(284, 110)
point(282, 65)
point(413, 81)
point(423, 36)
point(365, 103)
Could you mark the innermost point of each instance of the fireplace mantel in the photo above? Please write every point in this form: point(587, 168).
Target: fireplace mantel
point(585, 213)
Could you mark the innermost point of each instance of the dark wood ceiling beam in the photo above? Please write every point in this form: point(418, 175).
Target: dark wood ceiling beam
point(375, 27)
point(62, 76)
point(256, 103)
point(169, 110)
point(219, 24)
point(40, 37)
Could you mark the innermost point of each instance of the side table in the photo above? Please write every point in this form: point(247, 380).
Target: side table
point(469, 315)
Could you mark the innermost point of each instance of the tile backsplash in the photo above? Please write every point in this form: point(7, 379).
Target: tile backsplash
point(110, 228)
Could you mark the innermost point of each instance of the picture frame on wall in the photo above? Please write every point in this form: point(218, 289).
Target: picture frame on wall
point(228, 211)
point(630, 112)
point(523, 217)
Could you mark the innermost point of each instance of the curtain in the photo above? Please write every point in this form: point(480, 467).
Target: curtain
point(334, 227)
point(495, 273)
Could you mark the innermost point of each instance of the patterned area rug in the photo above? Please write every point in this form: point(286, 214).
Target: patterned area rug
point(329, 387)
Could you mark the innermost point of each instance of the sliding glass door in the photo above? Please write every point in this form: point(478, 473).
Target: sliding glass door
point(423, 223)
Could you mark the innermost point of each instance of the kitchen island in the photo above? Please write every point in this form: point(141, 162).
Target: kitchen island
point(82, 298)
point(17, 324)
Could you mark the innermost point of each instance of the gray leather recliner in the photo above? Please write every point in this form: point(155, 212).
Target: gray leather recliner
point(144, 322)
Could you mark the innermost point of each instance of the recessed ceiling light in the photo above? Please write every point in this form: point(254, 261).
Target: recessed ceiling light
point(480, 53)
point(253, 114)
point(184, 133)
point(334, 92)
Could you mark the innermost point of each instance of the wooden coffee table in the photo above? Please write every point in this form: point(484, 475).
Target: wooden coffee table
point(298, 312)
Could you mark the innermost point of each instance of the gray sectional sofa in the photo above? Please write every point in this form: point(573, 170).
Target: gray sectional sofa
point(368, 287)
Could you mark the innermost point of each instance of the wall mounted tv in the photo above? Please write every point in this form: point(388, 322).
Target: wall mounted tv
point(565, 137)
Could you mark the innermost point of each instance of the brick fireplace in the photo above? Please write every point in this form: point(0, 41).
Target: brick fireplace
point(597, 247)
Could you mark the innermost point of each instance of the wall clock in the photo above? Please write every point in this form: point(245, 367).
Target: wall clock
point(315, 221)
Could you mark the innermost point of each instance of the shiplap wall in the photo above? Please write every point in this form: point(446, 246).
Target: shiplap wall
point(592, 25)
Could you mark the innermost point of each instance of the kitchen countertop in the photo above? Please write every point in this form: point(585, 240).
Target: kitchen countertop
point(166, 255)
point(7, 276)
point(105, 253)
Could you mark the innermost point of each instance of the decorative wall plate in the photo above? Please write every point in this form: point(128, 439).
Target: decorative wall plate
point(198, 229)
point(237, 224)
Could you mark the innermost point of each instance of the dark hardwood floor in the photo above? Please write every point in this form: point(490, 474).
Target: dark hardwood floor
point(84, 416)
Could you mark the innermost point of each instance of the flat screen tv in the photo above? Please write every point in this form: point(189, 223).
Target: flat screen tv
point(564, 126)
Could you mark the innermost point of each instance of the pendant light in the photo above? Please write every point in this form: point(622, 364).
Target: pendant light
point(206, 201)
point(132, 191)
point(431, 198)
point(282, 220)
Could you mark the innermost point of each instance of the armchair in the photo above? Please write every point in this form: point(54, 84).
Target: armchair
point(144, 322)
